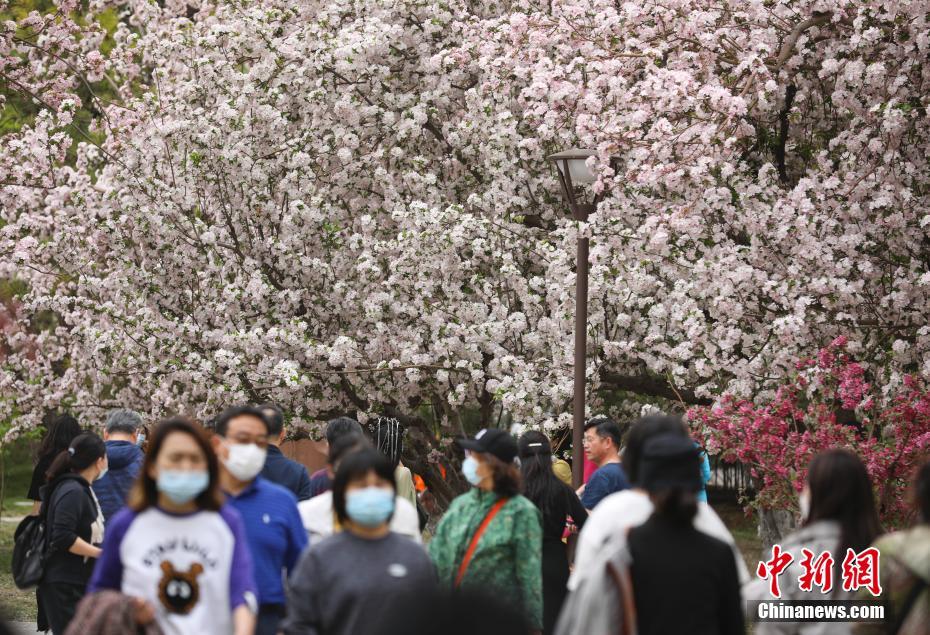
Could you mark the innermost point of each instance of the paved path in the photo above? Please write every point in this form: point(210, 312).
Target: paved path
point(22, 628)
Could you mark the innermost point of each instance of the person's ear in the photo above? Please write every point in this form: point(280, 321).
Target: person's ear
point(106, 435)
point(218, 446)
point(282, 435)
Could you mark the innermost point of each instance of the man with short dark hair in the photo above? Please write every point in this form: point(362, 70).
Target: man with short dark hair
point(121, 434)
point(321, 481)
point(269, 513)
point(602, 439)
point(278, 468)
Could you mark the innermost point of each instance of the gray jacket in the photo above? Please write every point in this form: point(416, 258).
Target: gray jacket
point(817, 537)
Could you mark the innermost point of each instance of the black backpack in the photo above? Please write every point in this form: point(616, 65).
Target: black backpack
point(30, 549)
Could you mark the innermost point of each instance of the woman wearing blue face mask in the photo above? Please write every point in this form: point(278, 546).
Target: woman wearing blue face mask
point(349, 582)
point(177, 549)
point(75, 527)
point(490, 539)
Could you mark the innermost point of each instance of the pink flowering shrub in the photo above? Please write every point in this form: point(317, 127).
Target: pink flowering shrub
point(827, 403)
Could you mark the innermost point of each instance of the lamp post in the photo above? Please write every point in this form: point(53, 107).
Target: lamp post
point(573, 169)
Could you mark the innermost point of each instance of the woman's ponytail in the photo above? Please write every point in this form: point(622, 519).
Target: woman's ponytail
point(676, 505)
point(59, 466)
point(84, 450)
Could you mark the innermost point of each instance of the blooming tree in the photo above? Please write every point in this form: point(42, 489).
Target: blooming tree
point(346, 205)
point(826, 403)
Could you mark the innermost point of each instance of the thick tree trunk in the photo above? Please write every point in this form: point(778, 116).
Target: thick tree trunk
point(419, 443)
point(774, 525)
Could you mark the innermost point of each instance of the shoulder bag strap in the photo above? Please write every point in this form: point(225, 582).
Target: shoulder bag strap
point(476, 538)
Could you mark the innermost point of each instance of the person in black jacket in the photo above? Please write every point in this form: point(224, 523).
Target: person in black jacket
point(673, 561)
point(61, 431)
point(557, 502)
point(74, 527)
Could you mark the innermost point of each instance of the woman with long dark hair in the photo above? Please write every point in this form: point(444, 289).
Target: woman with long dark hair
point(491, 537)
point(74, 525)
point(178, 549)
point(558, 504)
point(350, 582)
point(61, 430)
point(838, 513)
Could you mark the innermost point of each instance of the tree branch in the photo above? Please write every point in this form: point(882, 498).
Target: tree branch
point(787, 48)
point(653, 386)
point(784, 124)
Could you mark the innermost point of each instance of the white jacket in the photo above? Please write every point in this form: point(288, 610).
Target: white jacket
point(620, 512)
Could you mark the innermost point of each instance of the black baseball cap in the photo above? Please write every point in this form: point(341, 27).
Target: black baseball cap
point(492, 441)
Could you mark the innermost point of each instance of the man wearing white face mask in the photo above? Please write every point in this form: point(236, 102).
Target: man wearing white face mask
point(273, 528)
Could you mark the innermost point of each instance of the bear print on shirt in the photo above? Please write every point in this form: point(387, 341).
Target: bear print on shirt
point(179, 591)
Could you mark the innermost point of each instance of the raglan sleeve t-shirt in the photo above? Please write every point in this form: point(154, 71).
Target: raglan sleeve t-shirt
point(194, 569)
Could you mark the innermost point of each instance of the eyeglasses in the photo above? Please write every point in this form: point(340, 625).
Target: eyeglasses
point(245, 439)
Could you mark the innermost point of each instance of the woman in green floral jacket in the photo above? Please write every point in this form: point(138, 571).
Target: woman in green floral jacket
point(507, 559)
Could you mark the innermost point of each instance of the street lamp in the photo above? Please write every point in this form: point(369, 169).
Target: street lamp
point(573, 169)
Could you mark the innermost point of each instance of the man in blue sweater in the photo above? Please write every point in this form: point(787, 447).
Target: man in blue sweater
point(602, 438)
point(121, 433)
point(273, 528)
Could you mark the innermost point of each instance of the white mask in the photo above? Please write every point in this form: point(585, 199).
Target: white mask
point(804, 502)
point(103, 472)
point(245, 461)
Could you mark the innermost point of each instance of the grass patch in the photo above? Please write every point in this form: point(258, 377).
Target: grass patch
point(16, 605)
point(17, 462)
point(17, 465)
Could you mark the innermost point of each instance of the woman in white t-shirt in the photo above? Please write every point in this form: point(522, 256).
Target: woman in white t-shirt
point(622, 511)
point(319, 516)
point(177, 549)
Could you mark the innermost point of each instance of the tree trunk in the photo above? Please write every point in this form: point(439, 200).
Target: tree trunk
point(419, 443)
point(774, 525)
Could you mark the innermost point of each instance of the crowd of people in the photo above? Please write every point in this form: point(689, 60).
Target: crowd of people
point(180, 528)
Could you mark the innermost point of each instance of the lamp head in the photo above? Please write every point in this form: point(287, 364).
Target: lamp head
point(573, 170)
point(575, 160)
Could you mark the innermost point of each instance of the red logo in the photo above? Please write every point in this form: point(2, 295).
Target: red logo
point(771, 569)
point(861, 570)
point(817, 572)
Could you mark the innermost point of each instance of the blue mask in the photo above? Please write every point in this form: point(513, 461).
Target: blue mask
point(371, 506)
point(182, 486)
point(470, 470)
point(140, 439)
